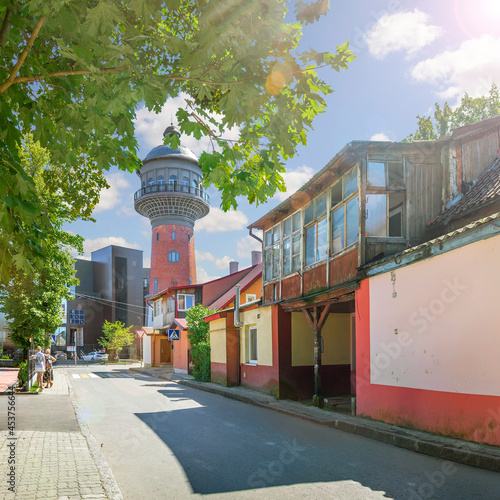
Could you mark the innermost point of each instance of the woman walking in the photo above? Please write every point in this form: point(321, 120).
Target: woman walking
point(39, 367)
point(49, 372)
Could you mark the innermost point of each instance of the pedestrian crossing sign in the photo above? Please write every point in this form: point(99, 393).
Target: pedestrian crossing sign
point(173, 334)
point(52, 339)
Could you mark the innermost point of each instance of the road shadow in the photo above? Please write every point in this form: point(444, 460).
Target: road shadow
point(226, 445)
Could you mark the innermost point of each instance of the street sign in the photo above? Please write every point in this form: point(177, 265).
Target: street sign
point(173, 334)
point(140, 333)
point(52, 339)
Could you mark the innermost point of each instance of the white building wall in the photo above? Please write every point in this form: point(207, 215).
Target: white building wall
point(435, 324)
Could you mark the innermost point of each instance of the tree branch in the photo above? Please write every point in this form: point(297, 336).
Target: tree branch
point(5, 85)
point(29, 79)
point(5, 29)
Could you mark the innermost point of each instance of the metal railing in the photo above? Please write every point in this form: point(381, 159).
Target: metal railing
point(171, 188)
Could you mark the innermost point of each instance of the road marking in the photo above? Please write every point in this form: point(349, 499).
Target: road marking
point(75, 375)
point(111, 375)
point(94, 375)
point(128, 376)
point(84, 375)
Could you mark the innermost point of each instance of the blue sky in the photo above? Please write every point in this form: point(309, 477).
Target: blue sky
point(410, 54)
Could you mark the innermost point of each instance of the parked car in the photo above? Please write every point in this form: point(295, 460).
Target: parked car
point(60, 355)
point(95, 356)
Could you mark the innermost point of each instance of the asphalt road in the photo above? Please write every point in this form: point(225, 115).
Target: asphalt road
point(164, 440)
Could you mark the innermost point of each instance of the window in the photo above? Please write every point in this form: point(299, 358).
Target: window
point(161, 180)
point(252, 344)
point(185, 184)
point(151, 181)
point(173, 235)
point(385, 214)
point(345, 213)
point(184, 301)
point(157, 235)
point(385, 199)
point(282, 248)
point(158, 307)
point(250, 297)
point(156, 285)
point(172, 183)
point(173, 256)
point(189, 237)
point(146, 283)
point(316, 234)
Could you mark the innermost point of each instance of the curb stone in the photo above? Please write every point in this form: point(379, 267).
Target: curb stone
point(108, 480)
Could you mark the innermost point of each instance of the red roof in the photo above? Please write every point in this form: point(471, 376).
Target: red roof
point(244, 283)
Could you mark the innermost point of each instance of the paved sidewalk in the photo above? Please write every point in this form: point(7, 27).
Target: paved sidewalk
point(465, 452)
point(8, 377)
point(54, 455)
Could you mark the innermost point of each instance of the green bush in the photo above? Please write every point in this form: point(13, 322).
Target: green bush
point(22, 376)
point(201, 359)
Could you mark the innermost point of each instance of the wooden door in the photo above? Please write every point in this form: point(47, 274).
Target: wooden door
point(164, 351)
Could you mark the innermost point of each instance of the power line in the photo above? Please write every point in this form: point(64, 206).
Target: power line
point(108, 302)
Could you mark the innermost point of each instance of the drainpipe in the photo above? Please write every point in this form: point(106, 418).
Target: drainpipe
point(238, 324)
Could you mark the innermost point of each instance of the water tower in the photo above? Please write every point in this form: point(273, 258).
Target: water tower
point(172, 198)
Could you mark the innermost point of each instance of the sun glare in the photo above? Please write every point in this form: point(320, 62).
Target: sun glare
point(478, 17)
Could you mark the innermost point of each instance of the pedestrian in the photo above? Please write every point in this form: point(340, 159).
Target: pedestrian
point(39, 367)
point(48, 376)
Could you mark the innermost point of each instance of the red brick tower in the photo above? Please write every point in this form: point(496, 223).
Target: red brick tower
point(172, 197)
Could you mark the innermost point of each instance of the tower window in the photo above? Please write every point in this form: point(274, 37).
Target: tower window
point(156, 285)
point(157, 236)
point(185, 184)
point(189, 237)
point(172, 182)
point(173, 256)
point(173, 235)
point(151, 181)
point(161, 180)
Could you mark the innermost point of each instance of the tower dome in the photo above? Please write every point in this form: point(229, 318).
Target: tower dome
point(172, 198)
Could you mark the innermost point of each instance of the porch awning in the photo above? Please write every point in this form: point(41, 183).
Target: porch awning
point(343, 293)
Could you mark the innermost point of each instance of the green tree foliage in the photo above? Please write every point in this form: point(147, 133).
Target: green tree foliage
point(73, 73)
point(31, 300)
point(471, 110)
point(115, 337)
point(200, 341)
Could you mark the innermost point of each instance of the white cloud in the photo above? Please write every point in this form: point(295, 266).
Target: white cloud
point(220, 263)
point(379, 137)
point(90, 245)
point(294, 180)
point(149, 126)
point(403, 31)
point(471, 68)
point(111, 197)
point(202, 276)
point(246, 245)
point(146, 262)
point(219, 221)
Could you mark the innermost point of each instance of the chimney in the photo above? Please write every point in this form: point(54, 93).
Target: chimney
point(233, 267)
point(256, 257)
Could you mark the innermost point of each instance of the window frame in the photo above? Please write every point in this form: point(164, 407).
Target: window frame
point(252, 356)
point(389, 191)
point(183, 296)
point(173, 256)
point(318, 219)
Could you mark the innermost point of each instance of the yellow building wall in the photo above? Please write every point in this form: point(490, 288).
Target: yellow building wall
point(255, 288)
point(336, 340)
point(261, 318)
point(218, 340)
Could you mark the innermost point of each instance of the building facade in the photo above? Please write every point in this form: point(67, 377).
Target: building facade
point(111, 288)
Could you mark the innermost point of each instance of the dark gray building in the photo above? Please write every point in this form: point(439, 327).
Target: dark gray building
point(111, 288)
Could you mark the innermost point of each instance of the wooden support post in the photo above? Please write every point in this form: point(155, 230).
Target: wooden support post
point(316, 320)
point(318, 399)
